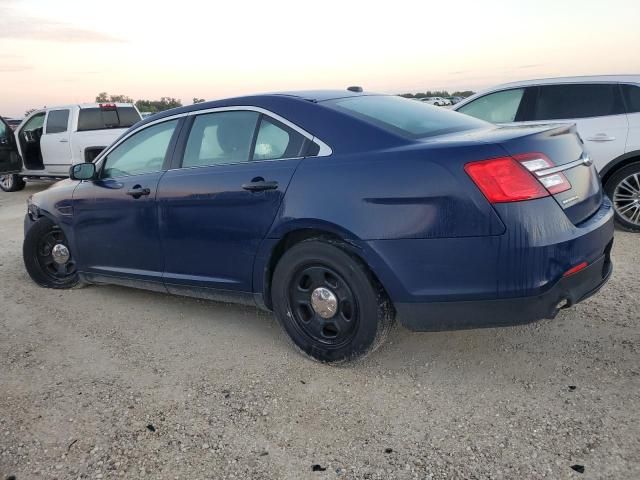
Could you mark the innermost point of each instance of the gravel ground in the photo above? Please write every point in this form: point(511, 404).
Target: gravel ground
point(109, 382)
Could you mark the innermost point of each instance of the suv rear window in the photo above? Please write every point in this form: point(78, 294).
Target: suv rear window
point(98, 118)
point(408, 118)
point(556, 102)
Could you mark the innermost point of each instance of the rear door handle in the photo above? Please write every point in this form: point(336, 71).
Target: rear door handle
point(138, 191)
point(601, 137)
point(64, 140)
point(259, 185)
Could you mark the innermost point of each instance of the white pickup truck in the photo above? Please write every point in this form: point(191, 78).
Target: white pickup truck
point(49, 141)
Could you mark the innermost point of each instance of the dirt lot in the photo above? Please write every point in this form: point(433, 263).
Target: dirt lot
point(109, 382)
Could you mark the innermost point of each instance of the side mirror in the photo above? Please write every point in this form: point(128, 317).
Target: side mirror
point(83, 171)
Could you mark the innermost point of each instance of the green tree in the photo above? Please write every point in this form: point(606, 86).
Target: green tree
point(165, 103)
point(104, 97)
point(198, 100)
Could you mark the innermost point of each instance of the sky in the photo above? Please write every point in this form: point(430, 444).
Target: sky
point(55, 52)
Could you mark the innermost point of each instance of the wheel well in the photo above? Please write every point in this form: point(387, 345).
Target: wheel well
point(295, 237)
point(621, 164)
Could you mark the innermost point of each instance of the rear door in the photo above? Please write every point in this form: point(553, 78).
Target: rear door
point(597, 109)
point(217, 206)
point(54, 144)
point(9, 159)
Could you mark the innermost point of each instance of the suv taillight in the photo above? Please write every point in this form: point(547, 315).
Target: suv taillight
point(513, 179)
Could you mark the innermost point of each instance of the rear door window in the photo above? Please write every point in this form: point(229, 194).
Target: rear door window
point(631, 97)
point(220, 138)
point(568, 101)
point(497, 107)
point(57, 121)
point(102, 118)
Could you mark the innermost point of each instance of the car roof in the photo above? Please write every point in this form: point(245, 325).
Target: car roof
point(585, 78)
point(313, 96)
point(81, 106)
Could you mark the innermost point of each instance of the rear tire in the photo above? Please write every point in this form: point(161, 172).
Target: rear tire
point(623, 188)
point(37, 253)
point(348, 322)
point(11, 182)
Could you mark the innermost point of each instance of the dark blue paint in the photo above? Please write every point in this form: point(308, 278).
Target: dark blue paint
point(406, 207)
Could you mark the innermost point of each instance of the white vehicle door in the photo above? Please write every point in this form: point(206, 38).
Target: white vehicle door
point(597, 109)
point(55, 146)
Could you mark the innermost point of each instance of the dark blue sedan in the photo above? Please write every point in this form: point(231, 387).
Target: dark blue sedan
point(340, 211)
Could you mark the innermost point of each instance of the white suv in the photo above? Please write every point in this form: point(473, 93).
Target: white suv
point(606, 111)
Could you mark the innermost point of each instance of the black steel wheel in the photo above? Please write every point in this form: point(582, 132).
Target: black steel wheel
point(47, 256)
point(323, 305)
point(329, 303)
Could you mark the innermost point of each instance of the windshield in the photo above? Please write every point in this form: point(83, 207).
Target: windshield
point(408, 118)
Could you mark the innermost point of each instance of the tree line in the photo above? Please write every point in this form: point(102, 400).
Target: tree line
point(153, 106)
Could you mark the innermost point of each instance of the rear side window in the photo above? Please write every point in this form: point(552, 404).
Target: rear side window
point(100, 118)
point(498, 107)
point(577, 101)
point(220, 138)
point(405, 117)
point(631, 97)
point(275, 141)
point(57, 121)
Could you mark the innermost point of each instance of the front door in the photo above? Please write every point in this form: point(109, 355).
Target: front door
point(55, 146)
point(216, 209)
point(9, 159)
point(115, 216)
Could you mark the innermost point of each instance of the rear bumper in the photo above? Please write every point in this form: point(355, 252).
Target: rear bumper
point(568, 291)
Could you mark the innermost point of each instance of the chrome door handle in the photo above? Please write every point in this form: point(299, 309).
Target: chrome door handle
point(601, 137)
point(64, 140)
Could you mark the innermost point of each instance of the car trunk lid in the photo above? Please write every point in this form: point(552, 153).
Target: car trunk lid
point(561, 157)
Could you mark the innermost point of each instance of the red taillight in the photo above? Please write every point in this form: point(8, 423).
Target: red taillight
point(504, 180)
point(517, 178)
point(108, 106)
point(576, 269)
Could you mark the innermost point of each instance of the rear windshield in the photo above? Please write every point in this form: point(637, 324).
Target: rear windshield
point(405, 117)
point(98, 119)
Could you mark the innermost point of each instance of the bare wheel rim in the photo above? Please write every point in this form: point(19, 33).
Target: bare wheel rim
point(323, 305)
point(626, 198)
point(58, 272)
point(6, 181)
